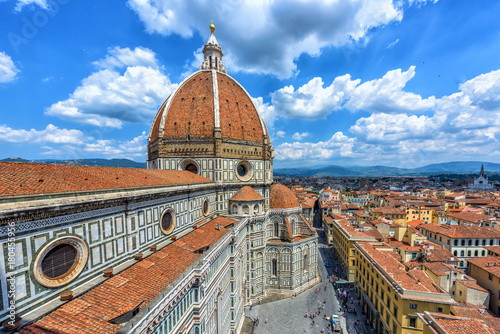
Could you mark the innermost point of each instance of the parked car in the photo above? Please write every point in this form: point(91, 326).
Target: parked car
point(327, 264)
point(335, 323)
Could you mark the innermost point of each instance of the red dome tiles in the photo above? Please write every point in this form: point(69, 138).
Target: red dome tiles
point(192, 110)
point(281, 197)
point(246, 193)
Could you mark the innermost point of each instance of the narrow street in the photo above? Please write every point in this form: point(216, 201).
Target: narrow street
point(289, 315)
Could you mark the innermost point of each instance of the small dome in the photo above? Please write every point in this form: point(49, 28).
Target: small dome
point(281, 197)
point(246, 193)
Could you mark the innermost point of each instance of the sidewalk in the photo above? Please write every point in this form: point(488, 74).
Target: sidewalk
point(289, 315)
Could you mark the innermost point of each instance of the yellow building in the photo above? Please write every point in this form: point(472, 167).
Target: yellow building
point(396, 215)
point(391, 296)
point(426, 214)
point(486, 271)
point(344, 236)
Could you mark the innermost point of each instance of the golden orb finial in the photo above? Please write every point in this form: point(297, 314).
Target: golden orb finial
point(212, 27)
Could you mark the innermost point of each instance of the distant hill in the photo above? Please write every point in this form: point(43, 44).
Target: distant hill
point(447, 167)
point(87, 162)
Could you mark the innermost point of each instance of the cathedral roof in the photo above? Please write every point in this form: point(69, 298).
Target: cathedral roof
point(137, 285)
point(209, 104)
point(281, 197)
point(18, 179)
point(246, 193)
point(207, 101)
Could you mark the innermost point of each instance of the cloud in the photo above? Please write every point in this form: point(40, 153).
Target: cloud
point(128, 87)
point(276, 33)
point(387, 95)
point(384, 127)
point(300, 136)
point(465, 124)
point(51, 134)
point(280, 134)
point(23, 3)
point(134, 148)
point(266, 111)
point(313, 100)
point(392, 44)
point(8, 70)
point(338, 145)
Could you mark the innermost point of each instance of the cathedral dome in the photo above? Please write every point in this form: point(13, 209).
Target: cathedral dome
point(207, 102)
point(209, 115)
point(246, 193)
point(281, 197)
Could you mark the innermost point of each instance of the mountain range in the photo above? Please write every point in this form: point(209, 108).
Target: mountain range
point(470, 167)
point(86, 162)
point(448, 167)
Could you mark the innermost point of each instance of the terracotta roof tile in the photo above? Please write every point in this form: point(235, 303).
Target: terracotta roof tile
point(490, 264)
point(470, 216)
point(472, 285)
point(280, 197)
point(461, 231)
point(192, 111)
point(493, 249)
point(140, 283)
point(18, 179)
point(246, 193)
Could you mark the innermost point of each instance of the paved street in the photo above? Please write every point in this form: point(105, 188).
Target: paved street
point(288, 315)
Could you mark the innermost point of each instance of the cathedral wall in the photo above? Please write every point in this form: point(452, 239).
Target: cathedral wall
point(109, 237)
point(220, 169)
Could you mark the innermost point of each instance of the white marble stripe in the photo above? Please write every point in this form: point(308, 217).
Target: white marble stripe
point(215, 88)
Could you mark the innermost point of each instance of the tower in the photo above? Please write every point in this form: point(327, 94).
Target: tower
point(210, 126)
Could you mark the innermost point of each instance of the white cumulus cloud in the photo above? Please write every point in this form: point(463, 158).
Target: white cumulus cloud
point(134, 148)
point(280, 134)
point(268, 36)
point(465, 124)
point(128, 87)
point(51, 134)
point(338, 145)
point(8, 70)
point(313, 100)
point(300, 136)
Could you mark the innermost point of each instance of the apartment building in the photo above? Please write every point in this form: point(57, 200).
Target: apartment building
point(463, 241)
point(390, 295)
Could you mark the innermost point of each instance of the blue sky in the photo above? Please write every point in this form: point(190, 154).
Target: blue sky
point(399, 83)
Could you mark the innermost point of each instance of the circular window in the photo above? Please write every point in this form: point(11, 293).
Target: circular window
point(189, 165)
point(167, 222)
point(206, 207)
point(244, 170)
point(192, 168)
point(60, 261)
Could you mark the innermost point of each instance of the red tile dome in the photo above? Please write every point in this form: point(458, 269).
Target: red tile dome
point(246, 193)
point(281, 197)
point(207, 100)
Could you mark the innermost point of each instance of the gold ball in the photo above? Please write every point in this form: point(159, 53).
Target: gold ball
point(212, 27)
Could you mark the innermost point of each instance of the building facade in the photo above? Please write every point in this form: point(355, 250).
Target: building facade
point(463, 241)
point(390, 296)
point(180, 247)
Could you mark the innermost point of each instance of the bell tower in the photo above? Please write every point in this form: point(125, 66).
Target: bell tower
point(212, 53)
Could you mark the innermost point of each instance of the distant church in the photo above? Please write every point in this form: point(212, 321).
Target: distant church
point(180, 247)
point(481, 182)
